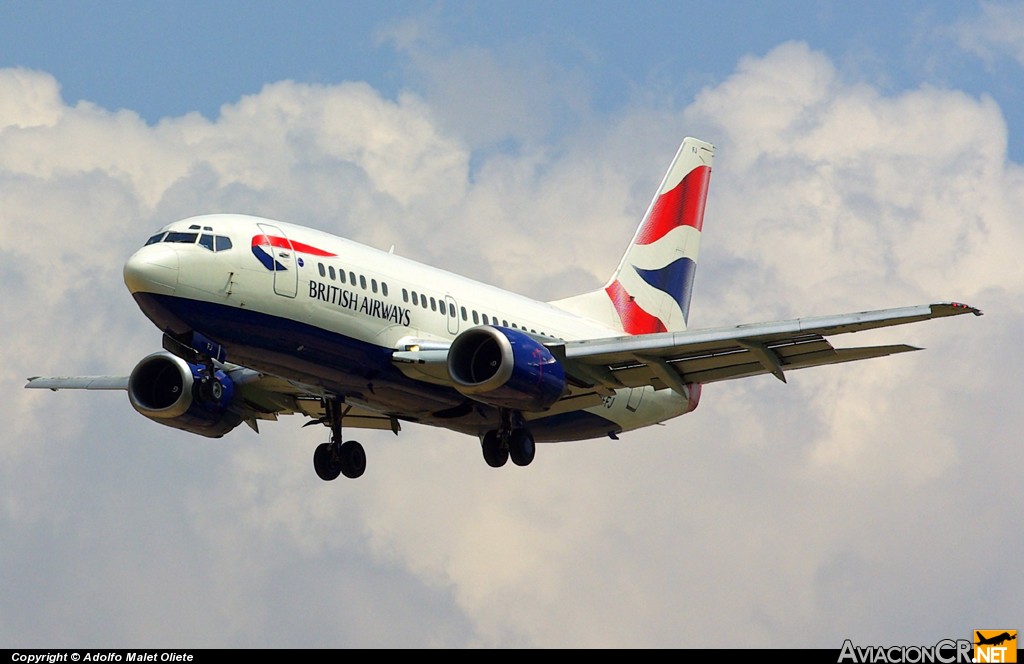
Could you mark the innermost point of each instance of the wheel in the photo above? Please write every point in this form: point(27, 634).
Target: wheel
point(353, 459)
point(495, 454)
point(521, 447)
point(326, 462)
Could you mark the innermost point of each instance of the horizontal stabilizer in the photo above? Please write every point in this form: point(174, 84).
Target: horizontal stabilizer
point(78, 383)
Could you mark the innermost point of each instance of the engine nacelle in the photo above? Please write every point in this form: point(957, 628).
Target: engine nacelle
point(504, 367)
point(171, 391)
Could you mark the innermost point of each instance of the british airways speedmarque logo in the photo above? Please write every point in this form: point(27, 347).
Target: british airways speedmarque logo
point(264, 247)
point(657, 247)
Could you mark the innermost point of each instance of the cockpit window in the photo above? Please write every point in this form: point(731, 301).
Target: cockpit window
point(215, 242)
point(184, 238)
point(211, 242)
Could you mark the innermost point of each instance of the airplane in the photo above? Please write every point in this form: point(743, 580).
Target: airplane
point(261, 318)
point(997, 640)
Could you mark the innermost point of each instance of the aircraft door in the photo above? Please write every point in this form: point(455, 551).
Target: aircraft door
point(282, 260)
point(453, 315)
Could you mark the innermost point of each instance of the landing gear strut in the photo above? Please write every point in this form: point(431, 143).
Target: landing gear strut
point(511, 440)
point(335, 457)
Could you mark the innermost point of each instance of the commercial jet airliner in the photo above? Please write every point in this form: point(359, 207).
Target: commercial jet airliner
point(262, 318)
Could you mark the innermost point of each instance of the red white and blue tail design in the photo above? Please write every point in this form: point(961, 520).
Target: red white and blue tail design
point(651, 288)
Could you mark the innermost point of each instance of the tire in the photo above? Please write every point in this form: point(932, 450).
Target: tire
point(325, 462)
point(494, 453)
point(353, 459)
point(521, 447)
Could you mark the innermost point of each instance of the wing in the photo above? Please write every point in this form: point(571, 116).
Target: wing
point(260, 397)
point(673, 359)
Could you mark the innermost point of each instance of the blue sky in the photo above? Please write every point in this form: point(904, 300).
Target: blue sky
point(868, 155)
point(162, 59)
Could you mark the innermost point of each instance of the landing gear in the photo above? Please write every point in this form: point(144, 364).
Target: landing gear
point(510, 441)
point(338, 458)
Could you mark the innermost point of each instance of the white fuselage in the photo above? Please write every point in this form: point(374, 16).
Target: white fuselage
point(312, 307)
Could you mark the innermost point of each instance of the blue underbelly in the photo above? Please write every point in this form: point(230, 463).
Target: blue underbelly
point(345, 366)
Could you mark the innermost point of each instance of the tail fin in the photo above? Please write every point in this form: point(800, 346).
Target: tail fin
point(651, 288)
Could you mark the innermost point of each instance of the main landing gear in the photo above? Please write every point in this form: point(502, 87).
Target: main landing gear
point(508, 441)
point(338, 458)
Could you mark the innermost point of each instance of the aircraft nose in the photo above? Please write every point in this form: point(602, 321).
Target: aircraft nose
point(152, 269)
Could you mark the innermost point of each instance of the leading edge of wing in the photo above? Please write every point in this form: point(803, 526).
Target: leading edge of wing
point(671, 359)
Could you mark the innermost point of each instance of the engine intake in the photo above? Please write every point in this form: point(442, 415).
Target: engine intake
point(173, 392)
point(506, 368)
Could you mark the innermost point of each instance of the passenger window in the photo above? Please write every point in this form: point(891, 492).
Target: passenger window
point(405, 295)
point(383, 289)
point(514, 326)
point(476, 318)
point(433, 304)
point(486, 322)
point(341, 275)
point(415, 298)
point(504, 323)
point(464, 317)
point(320, 266)
point(330, 270)
point(221, 243)
point(362, 282)
point(352, 278)
point(206, 241)
point(423, 301)
point(373, 285)
point(156, 238)
point(451, 310)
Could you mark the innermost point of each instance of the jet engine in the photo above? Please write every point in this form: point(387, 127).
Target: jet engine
point(176, 393)
point(506, 368)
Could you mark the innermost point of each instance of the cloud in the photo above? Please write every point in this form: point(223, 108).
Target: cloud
point(488, 95)
point(997, 31)
point(866, 501)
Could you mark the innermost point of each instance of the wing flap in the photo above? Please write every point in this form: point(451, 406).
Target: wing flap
point(357, 417)
point(741, 369)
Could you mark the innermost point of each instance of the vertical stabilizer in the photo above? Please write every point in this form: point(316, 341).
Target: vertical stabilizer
point(651, 288)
